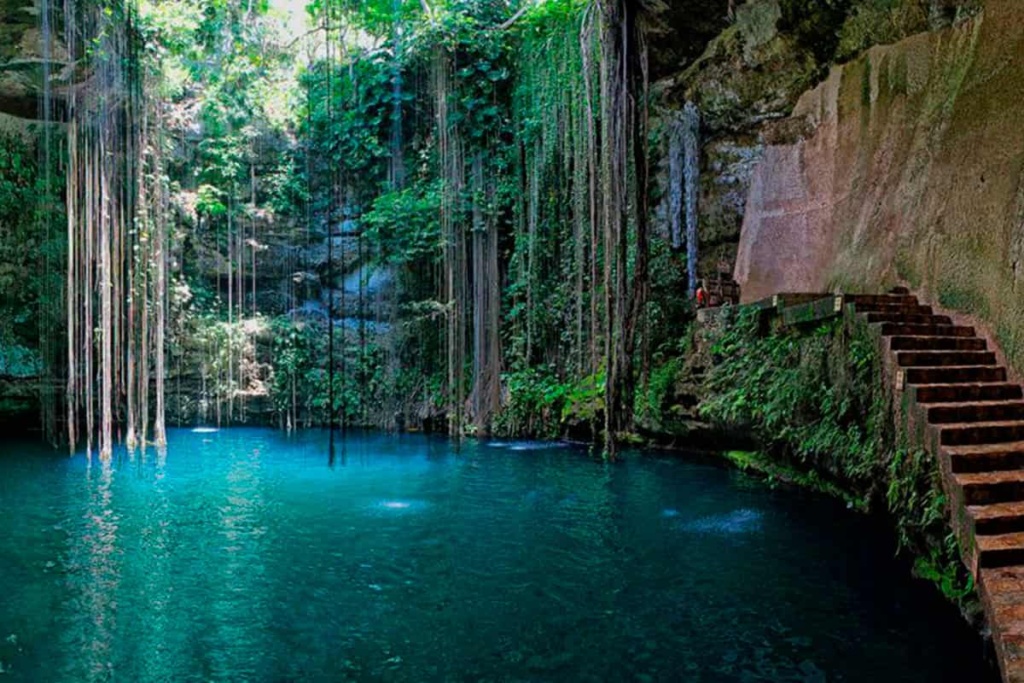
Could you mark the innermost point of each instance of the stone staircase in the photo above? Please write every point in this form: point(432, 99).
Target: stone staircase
point(972, 419)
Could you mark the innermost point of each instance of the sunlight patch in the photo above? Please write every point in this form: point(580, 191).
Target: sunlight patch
point(205, 430)
point(742, 521)
point(398, 506)
point(533, 445)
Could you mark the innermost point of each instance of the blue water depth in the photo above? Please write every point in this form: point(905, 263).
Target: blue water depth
point(243, 555)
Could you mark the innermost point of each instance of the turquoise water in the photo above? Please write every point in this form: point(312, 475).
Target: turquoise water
point(243, 556)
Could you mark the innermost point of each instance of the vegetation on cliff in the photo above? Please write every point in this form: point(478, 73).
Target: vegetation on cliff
point(380, 213)
point(446, 215)
point(819, 404)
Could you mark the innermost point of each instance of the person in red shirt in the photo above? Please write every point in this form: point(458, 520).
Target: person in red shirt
point(702, 295)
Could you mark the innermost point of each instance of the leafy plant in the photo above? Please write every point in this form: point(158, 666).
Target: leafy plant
point(815, 400)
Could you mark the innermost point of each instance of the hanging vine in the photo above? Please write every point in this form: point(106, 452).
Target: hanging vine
point(116, 205)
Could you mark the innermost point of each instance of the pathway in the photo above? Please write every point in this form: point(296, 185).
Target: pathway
point(973, 422)
point(961, 408)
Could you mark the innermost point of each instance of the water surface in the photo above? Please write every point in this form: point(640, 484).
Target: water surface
point(242, 555)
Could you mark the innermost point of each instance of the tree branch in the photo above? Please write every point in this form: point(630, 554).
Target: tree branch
point(507, 24)
point(309, 33)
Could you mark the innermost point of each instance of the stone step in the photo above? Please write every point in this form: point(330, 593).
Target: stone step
point(1003, 550)
point(962, 393)
point(985, 457)
point(937, 344)
point(936, 359)
point(894, 308)
point(1002, 592)
point(998, 518)
point(988, 488)
point(903, 291)
point(925, 330)
point(976, 411)
point(909, 319)
point(956, 375)
point(974, 433)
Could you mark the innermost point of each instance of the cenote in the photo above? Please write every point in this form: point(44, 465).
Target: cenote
point(243, 555)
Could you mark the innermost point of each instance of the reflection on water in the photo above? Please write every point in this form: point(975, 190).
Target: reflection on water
point(239, 555)
point(93, 576)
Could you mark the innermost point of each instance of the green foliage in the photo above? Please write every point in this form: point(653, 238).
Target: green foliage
point(656, 401)
point(301, 383)
point(943, 567)
point(31, 236)
point(536, 399)
point(815, 396)
point(670, 308)
point(584, 403)
point(209, 201)
point(550, 282)
point(916, 500)
point(17, 360)
point(404, 224)
point(653, 402)
point(284, 140)
point(377, 17)
point(815, 401)
point(286, 187)
point(350, 128)
point(542, 406)
point(298, 369)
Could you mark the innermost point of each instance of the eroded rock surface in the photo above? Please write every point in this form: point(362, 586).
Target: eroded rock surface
point(912, 170)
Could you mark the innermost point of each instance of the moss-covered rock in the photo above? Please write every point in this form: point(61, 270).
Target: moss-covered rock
point(16, 18)
point(750, 73)
point(882, 22)
point(22, 49)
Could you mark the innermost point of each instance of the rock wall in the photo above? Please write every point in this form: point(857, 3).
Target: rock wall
point(749, 76)
point(905, 165)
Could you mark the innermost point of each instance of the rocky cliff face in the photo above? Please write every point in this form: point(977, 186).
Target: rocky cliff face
point(751, 76)
point(23, 58)
point(905, 165)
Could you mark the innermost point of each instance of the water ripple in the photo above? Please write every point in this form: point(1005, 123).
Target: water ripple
point(245, 557)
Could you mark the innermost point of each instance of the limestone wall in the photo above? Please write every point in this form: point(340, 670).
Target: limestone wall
point(908, 167)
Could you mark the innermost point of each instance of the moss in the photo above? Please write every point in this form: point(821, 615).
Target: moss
point(879, 22)
point(964, 300)
point(757, 21)
point(905, 269)
point(865, 86)
point(748, 73)
point(1008, 337)
point(899, 79)
point(775, 472)
point(815, 24)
